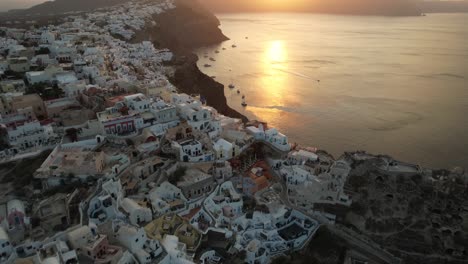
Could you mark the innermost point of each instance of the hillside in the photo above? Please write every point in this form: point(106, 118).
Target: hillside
point(63, 6)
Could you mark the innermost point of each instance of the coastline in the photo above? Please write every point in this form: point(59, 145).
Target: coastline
point(188, 78)
point(382, 113)
point(176, 30)
point(317, 205)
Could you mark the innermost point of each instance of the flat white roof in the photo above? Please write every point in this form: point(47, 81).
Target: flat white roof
point(306, 154)
point(253, 129)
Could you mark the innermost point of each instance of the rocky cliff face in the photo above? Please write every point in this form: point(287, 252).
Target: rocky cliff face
point(182, 30)
point(187, 27)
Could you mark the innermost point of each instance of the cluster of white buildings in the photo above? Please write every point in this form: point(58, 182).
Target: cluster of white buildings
point(160, 168)
point(315, 178)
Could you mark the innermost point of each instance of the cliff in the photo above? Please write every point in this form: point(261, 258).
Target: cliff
point(183, 29)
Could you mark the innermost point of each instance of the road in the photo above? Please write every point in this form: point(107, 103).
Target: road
point(352, 239)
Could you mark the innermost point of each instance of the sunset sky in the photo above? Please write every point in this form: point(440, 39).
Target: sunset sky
point(334, 6)
point(340, 6)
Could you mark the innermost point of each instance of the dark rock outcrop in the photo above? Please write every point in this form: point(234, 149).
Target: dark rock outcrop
point(187, 27)
point(183, 29)
point(189, 79)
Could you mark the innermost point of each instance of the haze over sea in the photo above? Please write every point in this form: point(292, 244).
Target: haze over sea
point(388, 85)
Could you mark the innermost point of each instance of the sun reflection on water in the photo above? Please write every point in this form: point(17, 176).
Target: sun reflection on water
point(274, 81)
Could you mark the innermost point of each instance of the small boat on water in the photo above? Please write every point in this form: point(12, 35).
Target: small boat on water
point(207, 65)
point(212, 59)
point(244, 104)
point(232, 86)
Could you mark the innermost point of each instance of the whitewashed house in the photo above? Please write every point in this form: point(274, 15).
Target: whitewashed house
point(224, 150)
point(136, 213)
point(7, 252)
point(135, 240)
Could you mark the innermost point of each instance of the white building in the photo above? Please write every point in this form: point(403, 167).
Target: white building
point(164, 112)
point(102, 208)
point(224, 204)
point(167, 197)
point(224, 150)
point(271, 136)
point(190, 150)
point(306, 188)
point(136, 213)
point(47, 37)
point(28, 133)
point(65, 78)
point(256, 253)
point(7, 253)
point(176, 250)
point(277, 139)
point(79, 237)
point(37, 77)
point(135, 240)
point(137, 102)
point(302, 156)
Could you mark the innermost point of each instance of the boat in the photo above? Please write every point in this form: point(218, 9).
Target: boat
point(207, 65)
point(244, 104)
point(212, 59)
point(234, 46)
point(232, 86)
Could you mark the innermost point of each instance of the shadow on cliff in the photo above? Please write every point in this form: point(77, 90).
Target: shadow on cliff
point(183, 29)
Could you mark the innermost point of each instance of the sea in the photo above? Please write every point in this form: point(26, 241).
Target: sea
point(386, 85)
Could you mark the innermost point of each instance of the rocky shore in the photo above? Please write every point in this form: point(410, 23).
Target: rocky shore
point(183, 29)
